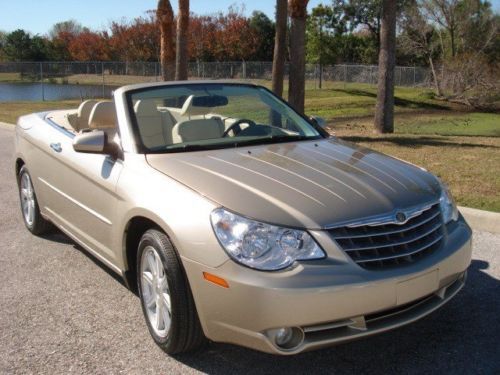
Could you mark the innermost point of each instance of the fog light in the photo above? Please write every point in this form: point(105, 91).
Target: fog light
point(287, 338)
point(283, 336)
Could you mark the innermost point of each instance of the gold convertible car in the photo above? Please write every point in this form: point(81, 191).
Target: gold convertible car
point(238, 220)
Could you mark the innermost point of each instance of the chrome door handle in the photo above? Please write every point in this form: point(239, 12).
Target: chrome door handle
point(56, 147)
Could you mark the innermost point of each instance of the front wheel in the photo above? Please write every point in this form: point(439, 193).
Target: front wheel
point(165, 295)
point(30, 209)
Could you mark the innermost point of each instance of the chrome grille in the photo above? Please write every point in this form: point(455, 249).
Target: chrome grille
point(391, 245)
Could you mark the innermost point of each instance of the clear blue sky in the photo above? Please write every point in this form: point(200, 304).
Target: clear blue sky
point(37, 16)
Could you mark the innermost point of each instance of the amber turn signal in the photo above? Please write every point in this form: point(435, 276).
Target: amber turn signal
point(215, 279)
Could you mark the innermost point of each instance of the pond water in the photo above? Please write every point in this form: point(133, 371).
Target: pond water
point(10, 92)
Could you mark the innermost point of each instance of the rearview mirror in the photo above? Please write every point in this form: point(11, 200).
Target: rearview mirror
point(209, 101)
point(318, 121)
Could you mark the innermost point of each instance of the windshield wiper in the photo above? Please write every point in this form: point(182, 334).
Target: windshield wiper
point(236, 143)
point(186, 148)
point(273, 139)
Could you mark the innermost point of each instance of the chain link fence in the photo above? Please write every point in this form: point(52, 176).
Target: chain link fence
point(81, 80)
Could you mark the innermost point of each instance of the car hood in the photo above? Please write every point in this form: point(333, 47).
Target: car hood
point(308, 184)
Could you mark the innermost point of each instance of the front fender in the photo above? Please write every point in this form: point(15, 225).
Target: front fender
point(183, 214)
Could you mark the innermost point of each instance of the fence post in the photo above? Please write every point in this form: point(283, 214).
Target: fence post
point(316, 76)
point(103, 84)
point(345, 75)
point(41, 80)
point(244, 69)
point(414, 76)
point(320, 75)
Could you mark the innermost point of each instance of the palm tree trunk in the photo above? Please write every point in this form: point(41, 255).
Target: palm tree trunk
point(384, 111)
point(165, 16)
point(181, 62)
point(297, 81)
point(280, 47)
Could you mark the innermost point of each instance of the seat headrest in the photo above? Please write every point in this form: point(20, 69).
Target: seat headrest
point(83, 114)
point(85, 108)
point(189, 110)
point(103, 115)
point(146, 108)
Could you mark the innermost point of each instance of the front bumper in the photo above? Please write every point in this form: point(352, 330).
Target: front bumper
point(329, 301)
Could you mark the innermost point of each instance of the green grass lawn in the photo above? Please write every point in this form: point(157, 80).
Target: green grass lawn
point(10, 111)
point(347, 100)
point(469, 165)
point(461, 147)
point(464, 124)
point(10, 77)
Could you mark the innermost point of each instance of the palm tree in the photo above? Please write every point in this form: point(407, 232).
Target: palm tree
point(297, 83)
point(165, 16)
point(384, 111)
point(181, 61)
point(280, 46)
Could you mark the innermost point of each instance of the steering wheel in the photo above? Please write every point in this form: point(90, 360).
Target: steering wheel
point(237, 125)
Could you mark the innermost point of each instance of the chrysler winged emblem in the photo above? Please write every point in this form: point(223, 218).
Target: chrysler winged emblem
point(400, 217)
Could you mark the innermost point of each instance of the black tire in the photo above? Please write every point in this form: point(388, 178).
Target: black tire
point(38, 225)
point(185, 332)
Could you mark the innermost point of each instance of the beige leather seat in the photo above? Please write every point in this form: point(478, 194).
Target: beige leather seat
point(83, 114)
point(103, 117)
point(155, 127)
point(197, 126)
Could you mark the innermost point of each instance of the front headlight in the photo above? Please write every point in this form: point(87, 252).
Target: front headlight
point(447, 204)
point(262, 246)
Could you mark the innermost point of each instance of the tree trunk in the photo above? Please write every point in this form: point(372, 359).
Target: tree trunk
point(437, 84)
point(165, 16)
point(384, 111)
point(280, 47)
point(181, 62)
point(296, 80)
point(452, 41)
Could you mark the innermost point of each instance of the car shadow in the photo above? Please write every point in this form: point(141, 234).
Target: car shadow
point(56, 235)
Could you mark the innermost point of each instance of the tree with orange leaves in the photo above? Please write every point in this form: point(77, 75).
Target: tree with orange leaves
point(88, 46)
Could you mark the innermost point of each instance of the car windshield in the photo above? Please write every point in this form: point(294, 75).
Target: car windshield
point(194, 117)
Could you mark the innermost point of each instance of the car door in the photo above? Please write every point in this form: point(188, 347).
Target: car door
point(81, 193)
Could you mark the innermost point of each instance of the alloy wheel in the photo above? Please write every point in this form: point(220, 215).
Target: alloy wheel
point(155, 292)
point(27, 199)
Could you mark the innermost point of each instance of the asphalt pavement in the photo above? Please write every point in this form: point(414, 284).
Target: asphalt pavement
point(61, 311)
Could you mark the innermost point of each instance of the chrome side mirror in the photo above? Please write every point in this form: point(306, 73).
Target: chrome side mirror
point(93, 142)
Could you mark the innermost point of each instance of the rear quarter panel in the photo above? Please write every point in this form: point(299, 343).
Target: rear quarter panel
point(32, 146)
